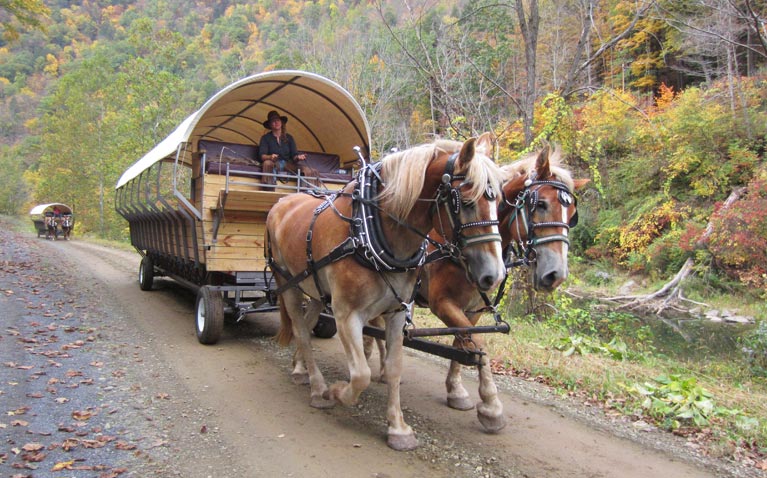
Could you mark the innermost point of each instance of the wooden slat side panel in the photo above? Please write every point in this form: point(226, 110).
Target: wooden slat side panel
point(239, 245)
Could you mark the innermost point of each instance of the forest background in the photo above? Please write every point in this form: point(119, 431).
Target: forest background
point(661, 103)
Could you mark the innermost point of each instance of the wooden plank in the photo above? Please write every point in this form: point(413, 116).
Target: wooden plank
point(228, 228)
point(235, 265)
point(237, 200)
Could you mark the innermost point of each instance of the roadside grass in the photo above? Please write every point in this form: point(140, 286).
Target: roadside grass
point(612, 361)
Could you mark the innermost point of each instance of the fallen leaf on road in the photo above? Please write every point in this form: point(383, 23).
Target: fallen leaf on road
point(114, 473)
point(81, 415)
point(33, 457)
point(63, 465)
point(92, 443)
point(69, 444)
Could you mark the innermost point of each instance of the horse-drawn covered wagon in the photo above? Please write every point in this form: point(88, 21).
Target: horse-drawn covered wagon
point(53, 220)
point(206, 209)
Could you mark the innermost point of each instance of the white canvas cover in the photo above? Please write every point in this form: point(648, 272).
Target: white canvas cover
point(322, 117)
point(40, 208)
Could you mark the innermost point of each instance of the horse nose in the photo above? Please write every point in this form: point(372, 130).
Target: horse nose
point(552, 280)
point(488, 281)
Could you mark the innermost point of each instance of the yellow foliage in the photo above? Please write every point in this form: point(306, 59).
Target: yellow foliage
point(377, 62)
point(51, 65)
point(636, 236)
point(32, 123)
point(665, 97)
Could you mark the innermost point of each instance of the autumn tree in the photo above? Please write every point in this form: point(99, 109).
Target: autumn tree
point(16, 13)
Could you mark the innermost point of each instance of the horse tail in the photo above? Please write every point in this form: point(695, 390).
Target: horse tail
point(285, 334)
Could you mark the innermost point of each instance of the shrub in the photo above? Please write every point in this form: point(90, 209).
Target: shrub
point(678, 401)
point(754, 345)
point(637, 236)
point(666, 255)
point(738, 241)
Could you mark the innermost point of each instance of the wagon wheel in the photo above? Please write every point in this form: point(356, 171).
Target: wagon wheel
point(326, 327)
point(146, 273)
point(210, 315)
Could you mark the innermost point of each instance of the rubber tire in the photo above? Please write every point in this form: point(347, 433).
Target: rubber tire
point(146, 273)
point(209, 318)
point(325, 328)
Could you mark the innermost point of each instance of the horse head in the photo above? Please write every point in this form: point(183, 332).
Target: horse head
point(452, 188)
point(539, 209)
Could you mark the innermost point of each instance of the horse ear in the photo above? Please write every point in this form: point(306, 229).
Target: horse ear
point(580, 183)
point(542, 163)
point(485, 145)
point(467, 151)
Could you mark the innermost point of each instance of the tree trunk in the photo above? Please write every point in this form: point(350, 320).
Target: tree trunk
point(670, 294)
point(528, 25)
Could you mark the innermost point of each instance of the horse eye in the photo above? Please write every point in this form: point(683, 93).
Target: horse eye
point(468, 204)
point(542, 205)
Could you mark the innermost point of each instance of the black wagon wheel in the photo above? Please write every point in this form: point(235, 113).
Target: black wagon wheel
point(146, 273)
point(209, 322)
point(326, 326)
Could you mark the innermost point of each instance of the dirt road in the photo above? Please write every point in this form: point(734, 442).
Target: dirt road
point(231, 410)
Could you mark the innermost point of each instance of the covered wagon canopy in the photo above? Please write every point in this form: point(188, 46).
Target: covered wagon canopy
point(322, 117)
point(42, 208)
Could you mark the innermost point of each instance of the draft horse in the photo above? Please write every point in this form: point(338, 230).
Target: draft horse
point(51, 226)
point(66, 225)
point(361, 251)
point(535, 216)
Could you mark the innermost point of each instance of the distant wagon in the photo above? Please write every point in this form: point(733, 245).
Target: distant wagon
point(195, 203)
point(52, 220)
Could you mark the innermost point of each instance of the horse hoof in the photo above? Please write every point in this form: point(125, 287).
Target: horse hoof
point(460, 403)
point(300, 378)
point(321, 403)
point(491, 424)
point(402, 442)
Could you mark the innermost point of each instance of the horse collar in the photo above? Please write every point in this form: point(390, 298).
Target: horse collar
point(374, 250)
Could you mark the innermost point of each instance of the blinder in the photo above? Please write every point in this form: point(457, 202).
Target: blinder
point(567, 200)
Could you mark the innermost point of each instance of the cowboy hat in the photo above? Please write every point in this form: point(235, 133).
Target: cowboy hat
point(271, 115)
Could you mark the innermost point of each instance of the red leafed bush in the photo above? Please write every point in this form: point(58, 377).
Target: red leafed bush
point(738, 242)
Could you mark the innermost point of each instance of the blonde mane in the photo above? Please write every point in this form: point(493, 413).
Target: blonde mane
point(524, 166)
point(405, 172)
